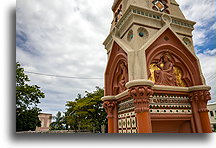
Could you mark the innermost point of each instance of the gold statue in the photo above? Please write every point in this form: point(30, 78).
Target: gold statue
point(165, 75)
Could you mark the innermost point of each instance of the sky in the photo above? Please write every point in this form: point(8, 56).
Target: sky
point(64, 38)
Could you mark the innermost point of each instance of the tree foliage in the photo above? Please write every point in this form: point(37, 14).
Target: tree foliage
point(58, 123)
point(27, 99)
point(28, 120)
point(86, 113)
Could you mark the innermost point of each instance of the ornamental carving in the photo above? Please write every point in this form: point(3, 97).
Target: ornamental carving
point(141, 96)
point(201, 98)
point(116, 74)
point(204, 97)
point(121, 78)
point(164, 72)
point(185, 64)
point(194, 97)
point(109, 107)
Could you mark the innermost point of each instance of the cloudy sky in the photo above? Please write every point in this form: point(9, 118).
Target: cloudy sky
point(64, 38)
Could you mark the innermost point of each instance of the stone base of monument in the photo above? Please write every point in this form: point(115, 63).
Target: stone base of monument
point(148, 108)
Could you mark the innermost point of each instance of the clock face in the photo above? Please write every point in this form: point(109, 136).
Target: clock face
point(160, 5)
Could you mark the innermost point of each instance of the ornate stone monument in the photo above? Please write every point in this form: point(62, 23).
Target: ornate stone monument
point(153, 79)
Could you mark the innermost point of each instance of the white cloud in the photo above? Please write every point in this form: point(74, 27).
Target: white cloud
point(203, 13)
point(199, 36)
point(198, 10)
point(210, 52)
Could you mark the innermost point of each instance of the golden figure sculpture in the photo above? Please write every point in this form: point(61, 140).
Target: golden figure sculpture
point(165, 76)
point(160, 65)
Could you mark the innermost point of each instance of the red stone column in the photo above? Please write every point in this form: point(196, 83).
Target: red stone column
point(204, 97)
point(109, 107)
point(141, 96)
point(194, 102)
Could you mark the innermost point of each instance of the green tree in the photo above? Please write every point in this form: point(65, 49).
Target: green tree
point(58, 123)
point(87, 112)
point(71, 117)
point(27, 99)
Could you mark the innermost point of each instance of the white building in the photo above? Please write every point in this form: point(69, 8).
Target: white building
point(212, 115)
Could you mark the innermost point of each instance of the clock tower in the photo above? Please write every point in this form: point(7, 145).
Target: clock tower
point(153, 79)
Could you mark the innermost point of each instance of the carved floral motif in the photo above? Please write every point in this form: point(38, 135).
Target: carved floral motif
point(204, 97)
point(141, 96)
point(201, 98)
point(109, 107)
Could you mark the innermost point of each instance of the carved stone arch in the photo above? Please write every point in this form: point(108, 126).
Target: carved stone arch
point(120, 77)
point(181, 58)
point(116, 71)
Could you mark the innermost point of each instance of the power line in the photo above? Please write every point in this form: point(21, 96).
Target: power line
point(212, 79)
point(58, 76)
point(210, 76)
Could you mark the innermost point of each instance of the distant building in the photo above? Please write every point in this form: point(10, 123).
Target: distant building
point(46, 120)
point(212, 115)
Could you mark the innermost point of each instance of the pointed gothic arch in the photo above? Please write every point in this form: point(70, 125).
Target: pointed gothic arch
point(181, 56)
point(116, 75)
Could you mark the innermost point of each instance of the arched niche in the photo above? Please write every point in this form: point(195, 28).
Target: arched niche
point(120, 77)
point(182, 61)
point(116, 75)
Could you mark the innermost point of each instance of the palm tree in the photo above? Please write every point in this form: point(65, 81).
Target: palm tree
point(58, 122)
